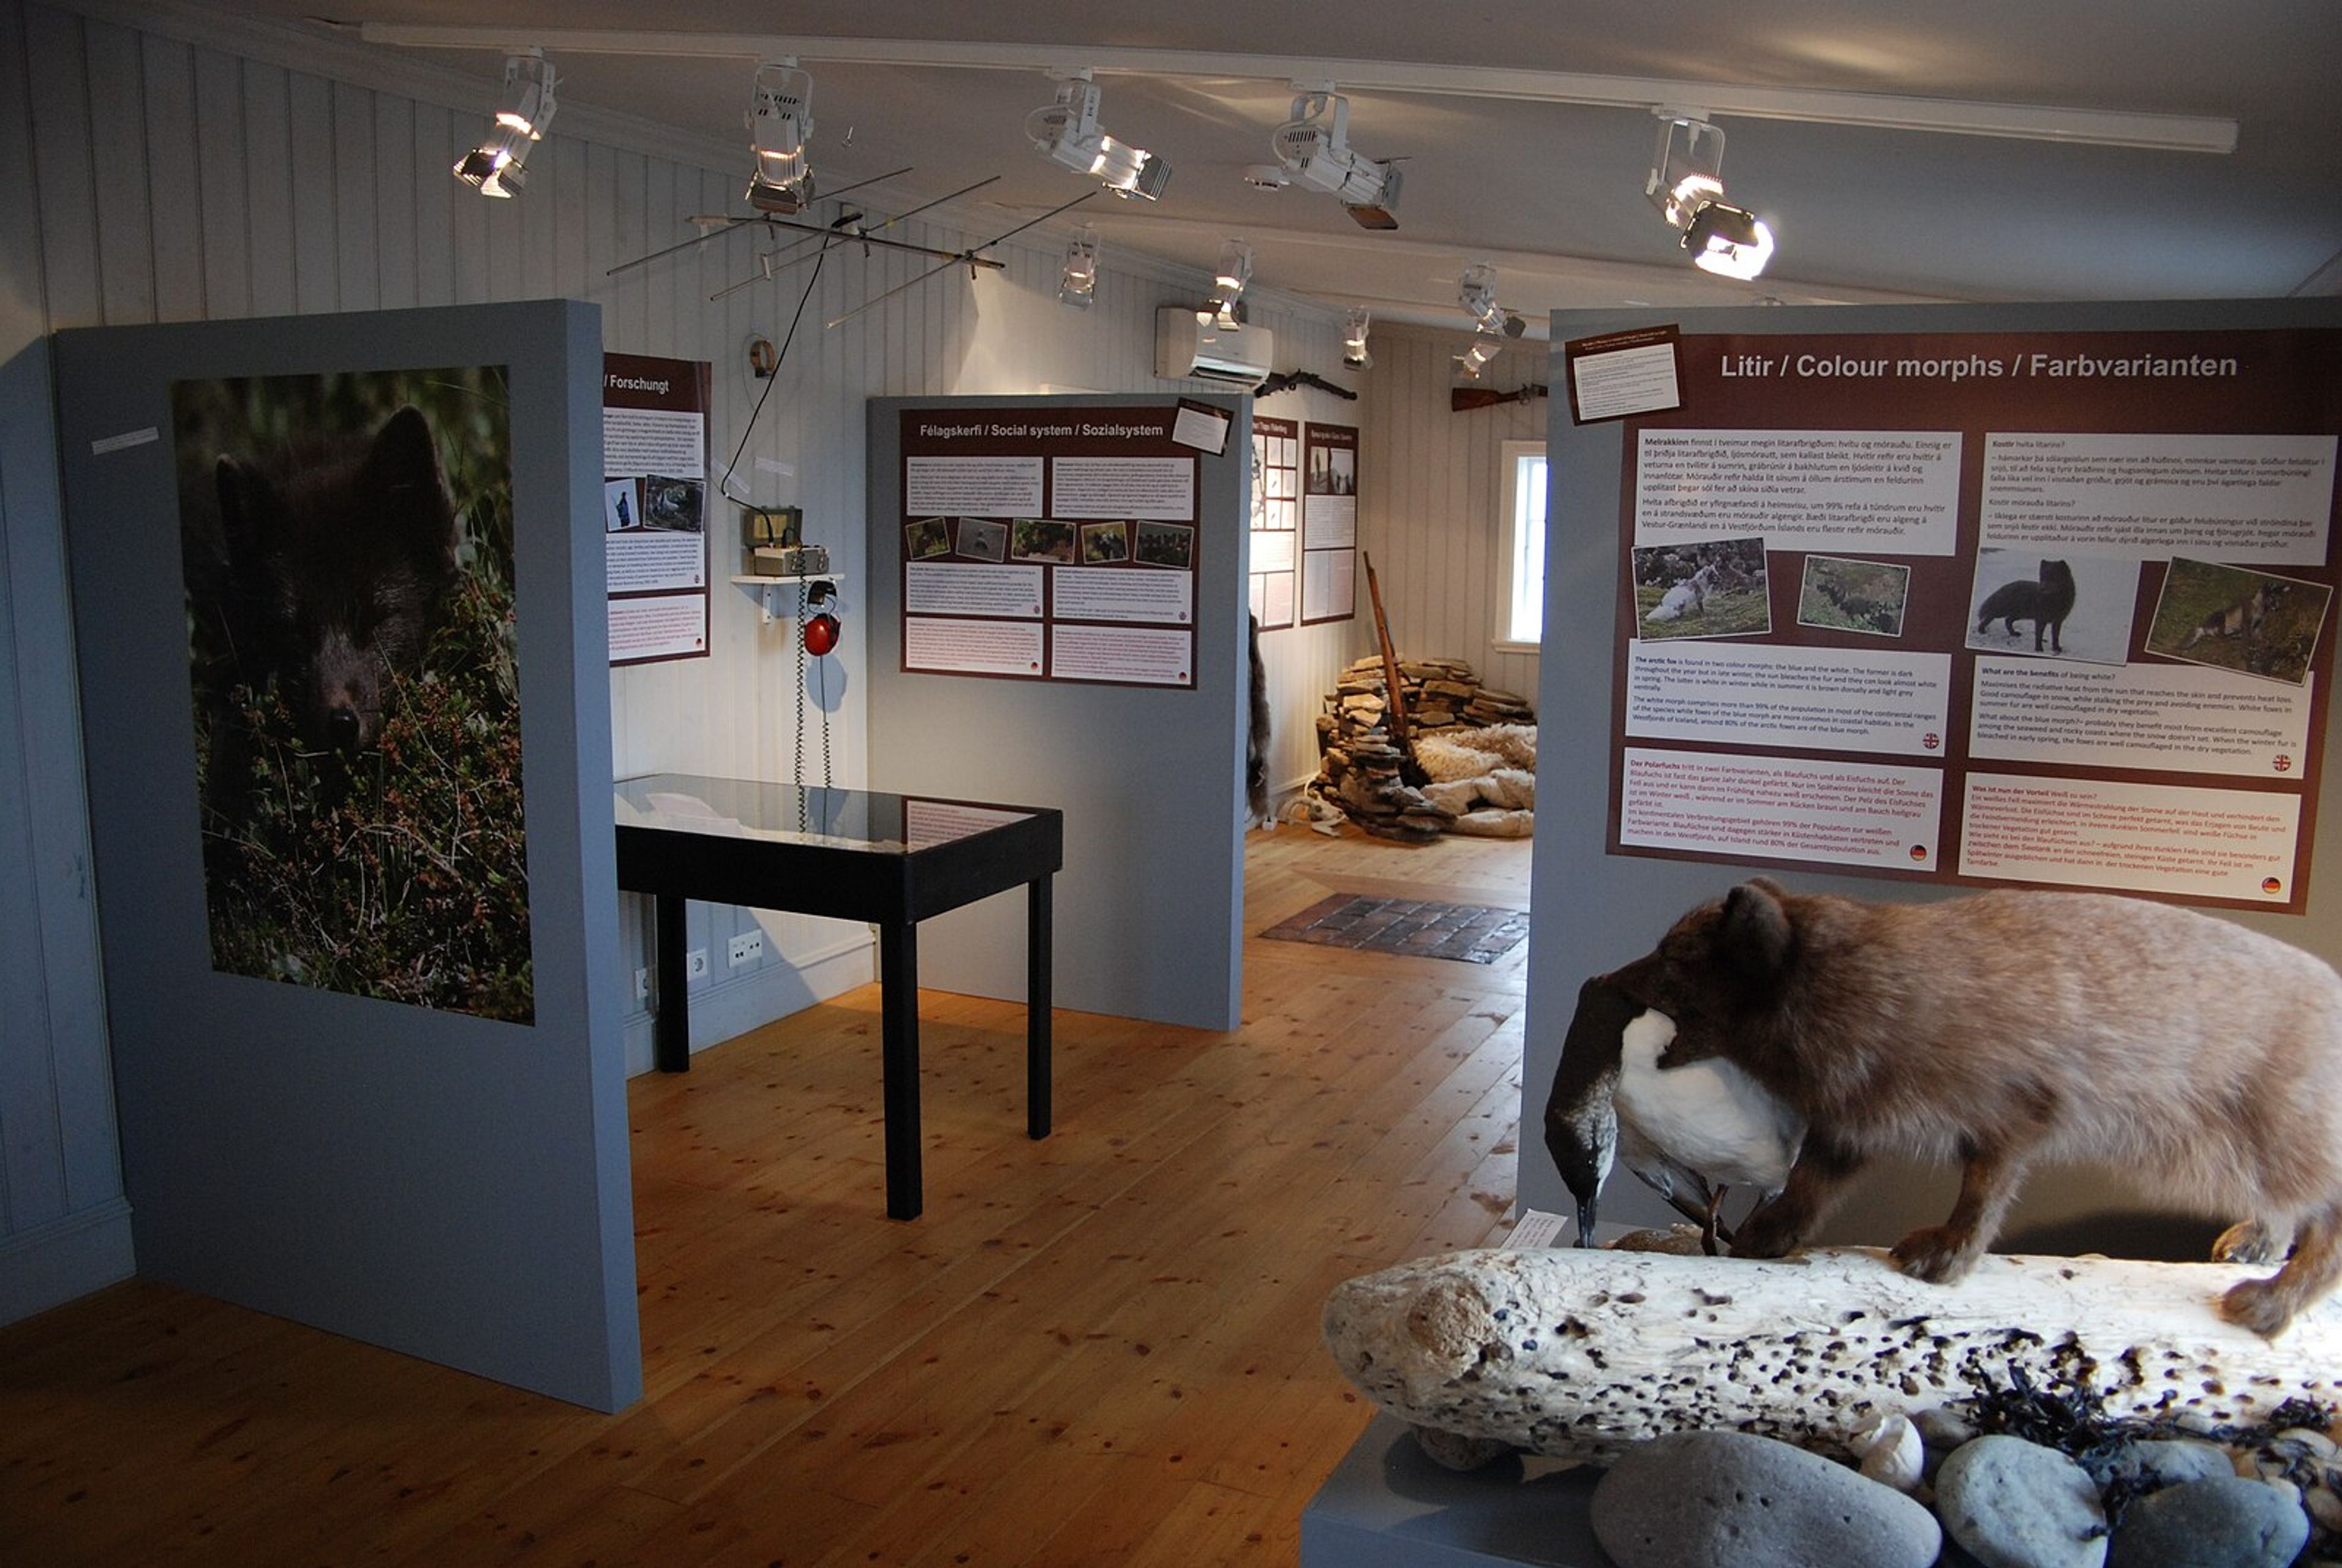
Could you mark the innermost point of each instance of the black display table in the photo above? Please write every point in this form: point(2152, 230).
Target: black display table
point(892, 859)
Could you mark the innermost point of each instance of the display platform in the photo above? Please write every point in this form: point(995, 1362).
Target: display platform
point(1386, 1505)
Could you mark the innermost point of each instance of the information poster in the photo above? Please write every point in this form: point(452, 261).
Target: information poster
point(1275, 558)
point(2046, 609)
point(656, 506)
point(1329, 523)
point(1060, 545)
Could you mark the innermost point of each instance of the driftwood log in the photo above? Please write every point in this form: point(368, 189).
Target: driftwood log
point(1578, 1353)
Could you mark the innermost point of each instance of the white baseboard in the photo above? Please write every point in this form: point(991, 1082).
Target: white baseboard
point(739, 1004)
point(52, 1263)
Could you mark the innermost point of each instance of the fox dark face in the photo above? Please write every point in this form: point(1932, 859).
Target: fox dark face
point(1714, 968)
point(345, 557)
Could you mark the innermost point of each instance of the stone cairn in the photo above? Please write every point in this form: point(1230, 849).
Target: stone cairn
point(1358, 762)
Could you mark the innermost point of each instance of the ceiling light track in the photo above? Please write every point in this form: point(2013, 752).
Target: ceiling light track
point(1950, 116)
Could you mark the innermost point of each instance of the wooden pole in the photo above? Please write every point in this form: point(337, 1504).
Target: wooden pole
point(1581, 1352)
point(1410, 771)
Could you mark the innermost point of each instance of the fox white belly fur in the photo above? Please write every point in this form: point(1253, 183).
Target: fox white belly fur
point(1708, 1116)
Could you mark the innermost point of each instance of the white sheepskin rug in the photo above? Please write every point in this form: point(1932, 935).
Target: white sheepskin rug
point(1511, 789)
point(1469, 753)
point(1493, 822)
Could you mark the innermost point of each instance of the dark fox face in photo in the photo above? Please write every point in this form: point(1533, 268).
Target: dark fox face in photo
point(345, 554)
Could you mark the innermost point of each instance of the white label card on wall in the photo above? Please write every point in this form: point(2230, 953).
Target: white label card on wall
point(1201, 426)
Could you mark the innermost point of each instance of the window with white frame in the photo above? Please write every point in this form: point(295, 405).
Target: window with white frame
point(1523, 605)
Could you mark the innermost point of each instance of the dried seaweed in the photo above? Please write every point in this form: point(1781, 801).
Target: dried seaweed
point(2070, 1416)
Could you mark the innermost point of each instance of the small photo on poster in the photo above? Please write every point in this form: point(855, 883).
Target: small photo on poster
point(982, 539)
point(1105, 543)
point(1166, 545)
point(1712, 589)
point(1866, 596)
point(927, 538)
point(674, 503)
point(1333, 471)
point(617, 504)
point(2071, 608)
point(2233, 618)
point(1041, 539)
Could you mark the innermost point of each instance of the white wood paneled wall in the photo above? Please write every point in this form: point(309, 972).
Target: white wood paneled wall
point(1431, 498)
point(163, 163)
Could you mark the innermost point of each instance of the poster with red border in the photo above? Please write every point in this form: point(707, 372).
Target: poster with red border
point(1329, 523)
point(1999, 608)
point(1060, 545)
point(656, 506)
point(1274, 577)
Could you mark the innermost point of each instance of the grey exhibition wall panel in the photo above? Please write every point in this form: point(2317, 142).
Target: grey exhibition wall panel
point(422, 1146)
point(1150, 902)
point(1596, 910)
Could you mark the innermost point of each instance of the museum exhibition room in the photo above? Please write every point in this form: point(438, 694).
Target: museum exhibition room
point(769, 785)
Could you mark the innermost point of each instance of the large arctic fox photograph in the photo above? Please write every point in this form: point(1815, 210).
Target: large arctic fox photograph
point(347, 546)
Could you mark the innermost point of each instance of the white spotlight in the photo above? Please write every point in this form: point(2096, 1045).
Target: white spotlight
point(1314, 148)
point(1066, 130)
point(497, 164)
point(1730, 242)
point(1687, 168)
point(1229, 279)
point(1485, 347)
point(1078, 286)
point(1476, 290)
point(1235, 269)
point(780, 122)
point(1686, 184)
point(1353, 341)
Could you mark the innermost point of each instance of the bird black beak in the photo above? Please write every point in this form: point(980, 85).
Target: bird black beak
point(1586, 1223)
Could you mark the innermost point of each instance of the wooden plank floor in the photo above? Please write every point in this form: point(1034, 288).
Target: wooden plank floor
point(1098, 1349)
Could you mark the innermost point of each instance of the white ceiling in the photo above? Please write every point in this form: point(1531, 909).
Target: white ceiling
point(1551, 192)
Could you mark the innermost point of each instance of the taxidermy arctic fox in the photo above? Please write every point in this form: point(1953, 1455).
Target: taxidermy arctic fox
point(2199, 1060)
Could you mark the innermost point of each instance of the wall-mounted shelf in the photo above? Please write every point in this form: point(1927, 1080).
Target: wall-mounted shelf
point(766, 590)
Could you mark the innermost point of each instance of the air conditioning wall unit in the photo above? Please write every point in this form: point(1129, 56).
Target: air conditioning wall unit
point(1233, 358)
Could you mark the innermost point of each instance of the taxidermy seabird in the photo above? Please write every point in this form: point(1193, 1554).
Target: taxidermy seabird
point(1689, 1132)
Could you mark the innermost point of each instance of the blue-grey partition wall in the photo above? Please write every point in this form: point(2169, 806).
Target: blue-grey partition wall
point(1595, 909)
point(1150, 904)
point(442, 1181)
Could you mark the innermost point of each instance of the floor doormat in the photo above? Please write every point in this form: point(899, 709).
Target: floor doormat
point(1471, 933)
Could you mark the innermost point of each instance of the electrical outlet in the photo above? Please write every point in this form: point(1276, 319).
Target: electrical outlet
point(642, 984)
point(695, 964)
point(747, 947)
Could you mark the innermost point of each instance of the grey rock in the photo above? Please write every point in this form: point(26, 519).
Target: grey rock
point(2305, 1441)
point(1457, 1451)
point(1682, 1240)
point(2153, 1463)
point(1733, 1500)
point(1940, 1428)
point(2016, 1504)
point(2227, 1521)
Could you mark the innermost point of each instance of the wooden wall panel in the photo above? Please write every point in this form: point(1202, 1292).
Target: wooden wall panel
point(173, 179)
point(268, 189)
point(220, 188)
